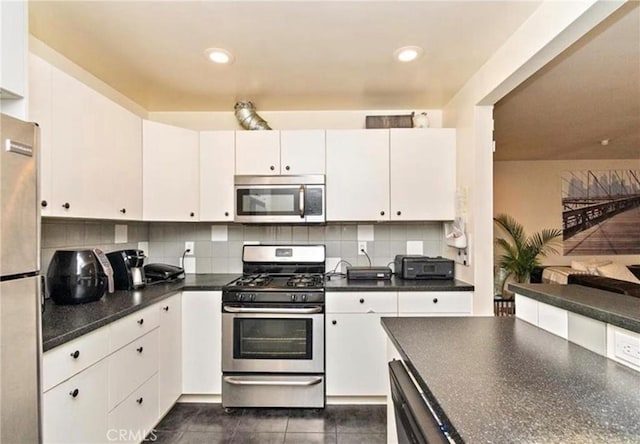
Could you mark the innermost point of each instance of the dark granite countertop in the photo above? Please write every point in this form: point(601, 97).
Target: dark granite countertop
point(500, 379)
point(63, 323)
point(339, 283)
point(612, 308)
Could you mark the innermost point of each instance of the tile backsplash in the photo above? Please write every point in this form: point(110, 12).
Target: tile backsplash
point(218, 247)
point(79, 233)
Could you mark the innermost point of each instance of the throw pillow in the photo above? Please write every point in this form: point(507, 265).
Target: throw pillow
point(617, 270)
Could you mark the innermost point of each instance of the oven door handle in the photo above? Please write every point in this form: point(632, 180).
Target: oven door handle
point(309, 310)
point(239, 380)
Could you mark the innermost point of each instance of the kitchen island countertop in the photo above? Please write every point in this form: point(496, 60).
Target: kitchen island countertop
point(612, 308)
point(500, 379)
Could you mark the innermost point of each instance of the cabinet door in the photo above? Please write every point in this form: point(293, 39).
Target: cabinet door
point(201, 342)
point(71, 147)
point(170, 172)
point(81, 418)
point(357, 171)
point(356, 355)
point(302, 152)
point(125, 147)
point(216, 175)
point(422, 169)
point(170, 352)
point(14, 36)
point(257, 153)
point(133, 419)
point(40, 111)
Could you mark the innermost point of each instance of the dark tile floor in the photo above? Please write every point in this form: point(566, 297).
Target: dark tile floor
point(189, 423)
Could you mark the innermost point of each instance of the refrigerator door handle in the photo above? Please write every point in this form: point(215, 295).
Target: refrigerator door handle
point(42, 293)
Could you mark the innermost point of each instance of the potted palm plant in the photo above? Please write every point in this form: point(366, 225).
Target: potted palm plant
point(521, 253)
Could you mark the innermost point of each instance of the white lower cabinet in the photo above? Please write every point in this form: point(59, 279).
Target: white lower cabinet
point(170, 353)
point(75, 411)
point(133, 419)
point(435, 303)
point(201, 342)
point(131, 366)
point(356, 342)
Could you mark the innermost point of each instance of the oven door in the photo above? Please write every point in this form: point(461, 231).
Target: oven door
point(266, 200)
point(283, 339)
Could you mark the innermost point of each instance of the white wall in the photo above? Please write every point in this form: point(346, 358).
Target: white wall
point(545, 34)
point(530, 191)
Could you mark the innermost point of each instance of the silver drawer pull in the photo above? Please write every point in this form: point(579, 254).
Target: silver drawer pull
point(309, 310)
point(238, 380)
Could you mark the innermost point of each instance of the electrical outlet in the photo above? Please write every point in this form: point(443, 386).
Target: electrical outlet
point(627, 348)
point(362, 246)
point(189, 245)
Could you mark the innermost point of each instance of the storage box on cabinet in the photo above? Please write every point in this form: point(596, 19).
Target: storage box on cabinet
point(355, 342)
point(435, 303)
point(134, 417)
point(72, 357)
point(76, 410)
point(170, 352)
point(125, 330)
point(130, 366)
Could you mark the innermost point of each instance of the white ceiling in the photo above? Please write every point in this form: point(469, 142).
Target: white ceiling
point(589, 93)
point(337, 55)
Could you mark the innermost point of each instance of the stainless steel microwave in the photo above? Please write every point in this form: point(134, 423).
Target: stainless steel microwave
point(285, 199)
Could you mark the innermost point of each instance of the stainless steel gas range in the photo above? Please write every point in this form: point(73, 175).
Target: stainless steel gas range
point(273, 329)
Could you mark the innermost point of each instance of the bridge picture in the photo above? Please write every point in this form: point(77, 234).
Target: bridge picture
point(601, 212)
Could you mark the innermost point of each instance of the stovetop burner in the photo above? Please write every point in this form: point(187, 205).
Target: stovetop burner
point(279, 281)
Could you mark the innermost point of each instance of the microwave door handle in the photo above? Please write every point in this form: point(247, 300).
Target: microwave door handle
point(301, 201)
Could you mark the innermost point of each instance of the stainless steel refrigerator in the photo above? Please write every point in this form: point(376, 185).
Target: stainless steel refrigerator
point(20, 330)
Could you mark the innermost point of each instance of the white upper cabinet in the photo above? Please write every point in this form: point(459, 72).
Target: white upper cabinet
point(13, 49)
point(40, 111)
point(423, 174)
point(90, 148)
point(357, 175)
point(216, 175)
point(257, 153)
point(170, 172)
point(295, 152)
point(302, 152)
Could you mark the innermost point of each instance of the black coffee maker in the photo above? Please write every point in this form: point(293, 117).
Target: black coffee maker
point(128, 270)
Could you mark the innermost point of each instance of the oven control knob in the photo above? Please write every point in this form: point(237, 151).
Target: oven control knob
point(304, 297)
point(252, 297)
point(293, 298)
point(240, 296)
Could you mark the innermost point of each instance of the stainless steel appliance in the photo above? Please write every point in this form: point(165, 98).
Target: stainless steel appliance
point(128, 271)
point(423, 267)
point(20, 297)
point(416, 421)
point(289, 199)
point(79, 276)
point(273, 329)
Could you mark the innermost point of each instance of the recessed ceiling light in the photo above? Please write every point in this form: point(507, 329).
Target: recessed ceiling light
point(407, 53)
point(219, 55)
point(604, 142)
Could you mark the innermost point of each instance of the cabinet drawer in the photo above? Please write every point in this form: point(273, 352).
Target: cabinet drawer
point(133, 326)
point(81, 418)
point(74, 356)
point(134, 418)
point(130, 366)
point(362, 302)
point(436, 302)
